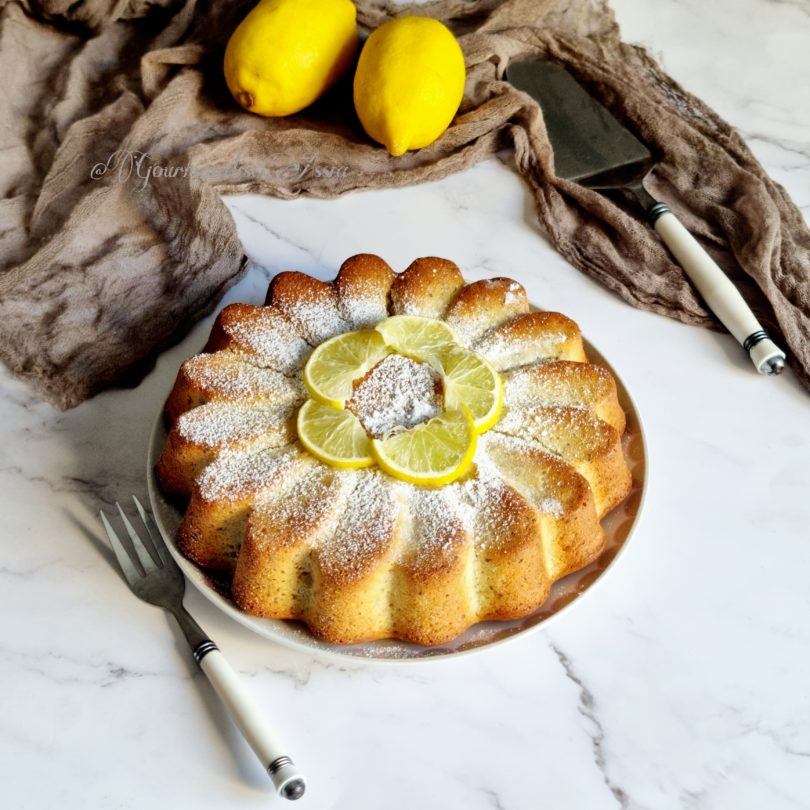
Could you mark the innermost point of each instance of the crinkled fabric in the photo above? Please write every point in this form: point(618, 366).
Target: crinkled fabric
point(120, 136)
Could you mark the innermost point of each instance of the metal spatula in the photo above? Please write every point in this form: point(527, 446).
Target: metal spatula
point(592, 148)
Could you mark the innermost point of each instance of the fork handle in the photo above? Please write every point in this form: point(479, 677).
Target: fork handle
point(289, 782)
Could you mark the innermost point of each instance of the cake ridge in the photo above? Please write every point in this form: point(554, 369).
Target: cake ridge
point(262, 335)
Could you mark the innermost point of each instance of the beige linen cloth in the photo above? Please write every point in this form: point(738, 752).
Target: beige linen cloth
point(119, 135)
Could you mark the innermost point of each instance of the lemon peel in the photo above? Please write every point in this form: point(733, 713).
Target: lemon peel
point(334, 436)
point(471, 380)
point(435, 453)
point(409, 83)
point(337, 362)
point(286, 53)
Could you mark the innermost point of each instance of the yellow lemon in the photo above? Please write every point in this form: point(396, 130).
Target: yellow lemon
point(470, 380)
point(432, 454)
point(335, 437)
point(417, 337)
point(287, 53)
point(337, 363)
point(409, 83)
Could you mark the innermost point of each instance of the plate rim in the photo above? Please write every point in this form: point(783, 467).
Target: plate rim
point(313, 646)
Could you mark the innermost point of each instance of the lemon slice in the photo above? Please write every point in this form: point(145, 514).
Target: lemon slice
point(416, 337)
point(337, 362)
point(469, 379)
point(431, 454)
point(334, 436)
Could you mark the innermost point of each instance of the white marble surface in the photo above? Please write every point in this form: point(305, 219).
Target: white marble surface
point(681, 682)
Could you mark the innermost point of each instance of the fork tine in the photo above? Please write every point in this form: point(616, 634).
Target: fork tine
point(154, 534)
point(146, 559)
point(131, 573)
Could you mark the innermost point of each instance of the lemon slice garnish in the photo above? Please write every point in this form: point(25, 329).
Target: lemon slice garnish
point(431, 454)
point(334, 436)
point(469, 379)
point(337, 362)
point(416, 337)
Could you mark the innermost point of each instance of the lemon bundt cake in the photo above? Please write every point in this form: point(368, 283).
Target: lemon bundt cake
point(393, 455)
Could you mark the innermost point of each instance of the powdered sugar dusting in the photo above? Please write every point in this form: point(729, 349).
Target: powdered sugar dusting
point(226, 376)
point(505, 349)
point(407, 302)
point(488, 304)
point(365, 530)
point(484, 502)
point(515, 295)
point(545, 424)
point(271, 340)
point(234, 474)
point(310, 507)
point(363, 309)
point(521, 386)
point(539, 483)
point(566, 384)
point(223, 423)
point(492, 498)
point(397, 393)
point(318, 317)
point(470, 325)
point(551, 506)
point(438, 526)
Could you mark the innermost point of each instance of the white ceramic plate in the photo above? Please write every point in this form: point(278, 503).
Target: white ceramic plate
point(618, 527)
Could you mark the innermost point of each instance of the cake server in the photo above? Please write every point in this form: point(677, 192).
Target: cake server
point(592, 148)
point(155, 577)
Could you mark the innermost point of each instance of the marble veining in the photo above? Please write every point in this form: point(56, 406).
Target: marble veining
point(679, 682)
point(587, 708)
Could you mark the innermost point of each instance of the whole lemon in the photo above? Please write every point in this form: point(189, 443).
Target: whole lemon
point(287, 53)
point(409, 83)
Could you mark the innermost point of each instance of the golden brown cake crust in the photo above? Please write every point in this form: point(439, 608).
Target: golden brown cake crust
point(263, 336)
point(353, 553)
point(530, 338)
point(427, 287)
point(363, 284)
point(484, 305)
point(310, 304)
point(563, 382)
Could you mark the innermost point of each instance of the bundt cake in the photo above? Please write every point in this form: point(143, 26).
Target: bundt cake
point(352, 550)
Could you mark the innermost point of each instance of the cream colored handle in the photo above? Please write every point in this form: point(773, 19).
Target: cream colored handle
point(722, 297)
point(289, 782)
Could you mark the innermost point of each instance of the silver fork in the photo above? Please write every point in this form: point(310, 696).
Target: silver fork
point(155, 577)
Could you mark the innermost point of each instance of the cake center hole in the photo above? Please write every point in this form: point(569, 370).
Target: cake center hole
point(397, 393)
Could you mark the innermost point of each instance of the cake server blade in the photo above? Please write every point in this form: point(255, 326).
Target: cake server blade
point(592, 148)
